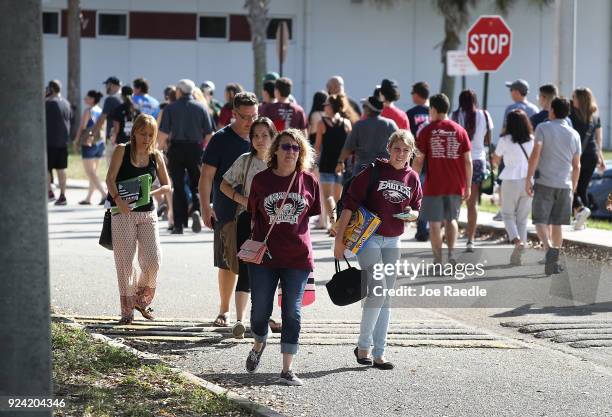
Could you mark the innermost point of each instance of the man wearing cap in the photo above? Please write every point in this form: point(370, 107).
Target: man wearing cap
point(335, 86)
point(389, 91)
point(518, 91)
point(214, 107)
point(368, 138)
point(58, 116)
point(186, 123)
point(111, 102)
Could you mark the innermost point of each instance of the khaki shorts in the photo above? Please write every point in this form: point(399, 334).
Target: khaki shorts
point(551, 205)
point(438, 208)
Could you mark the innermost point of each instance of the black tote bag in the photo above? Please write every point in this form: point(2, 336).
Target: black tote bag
point(348, 286)
point(106, 236)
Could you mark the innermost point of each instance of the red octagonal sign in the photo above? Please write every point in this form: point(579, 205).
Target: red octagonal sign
point(489, 43)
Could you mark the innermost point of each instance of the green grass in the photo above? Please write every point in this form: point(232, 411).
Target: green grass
point(99, 380)
point(487, 206)
point(607, 155)
point(76, 171)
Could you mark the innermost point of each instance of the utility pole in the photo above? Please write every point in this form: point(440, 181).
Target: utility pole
point(25, 347)
point(565, 45)
point(73, 29)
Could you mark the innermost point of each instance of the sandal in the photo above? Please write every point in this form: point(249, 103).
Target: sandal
point(221, 321)
point(274, 326)
point(147, 313)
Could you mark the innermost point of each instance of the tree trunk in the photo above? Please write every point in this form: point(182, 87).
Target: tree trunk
point(74, 61)
point(258, 20)
point(451, 42)
point(25, 349)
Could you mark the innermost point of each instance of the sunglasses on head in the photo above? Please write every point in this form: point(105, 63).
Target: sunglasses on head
point(289, 147)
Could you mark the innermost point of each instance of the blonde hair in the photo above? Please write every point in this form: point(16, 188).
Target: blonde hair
point(142, 122)
point(306, 156)
point(404, 136)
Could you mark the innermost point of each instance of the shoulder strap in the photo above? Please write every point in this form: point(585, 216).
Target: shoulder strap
point(524, 152)
point(373, 179)
point(279, 208)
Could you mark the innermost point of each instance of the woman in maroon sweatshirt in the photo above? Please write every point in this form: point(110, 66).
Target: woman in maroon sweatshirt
point(396, 191)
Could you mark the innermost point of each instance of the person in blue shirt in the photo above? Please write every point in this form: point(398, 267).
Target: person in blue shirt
point(142, 100)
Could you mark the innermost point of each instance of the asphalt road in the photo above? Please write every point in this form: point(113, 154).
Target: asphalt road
point(526, 376)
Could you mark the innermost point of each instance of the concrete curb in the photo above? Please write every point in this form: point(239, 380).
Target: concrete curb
point(244, 403)
point(533, 235)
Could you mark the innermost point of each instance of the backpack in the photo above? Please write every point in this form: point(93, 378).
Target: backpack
point(374, 175)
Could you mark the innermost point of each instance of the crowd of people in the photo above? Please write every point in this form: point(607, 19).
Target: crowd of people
point(260, 170)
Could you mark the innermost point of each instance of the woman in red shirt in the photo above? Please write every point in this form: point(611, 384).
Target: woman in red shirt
point(289, 257)
point(397, 191)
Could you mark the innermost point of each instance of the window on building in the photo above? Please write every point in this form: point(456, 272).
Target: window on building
point(112, 24)
point(51, 23)
point(273, 26)
point(213, 27)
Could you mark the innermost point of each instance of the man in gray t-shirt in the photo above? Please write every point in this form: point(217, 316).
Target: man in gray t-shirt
point(555, 165)
point(368, 138)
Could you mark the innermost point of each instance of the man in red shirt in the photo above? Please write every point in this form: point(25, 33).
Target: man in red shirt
point(283, 113)
point(445, 146)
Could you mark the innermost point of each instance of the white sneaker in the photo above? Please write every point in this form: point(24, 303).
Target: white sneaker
point(581, 218)
point(469, 247)
point(290, 378)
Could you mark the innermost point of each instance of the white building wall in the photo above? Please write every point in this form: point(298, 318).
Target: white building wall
point(361, 42)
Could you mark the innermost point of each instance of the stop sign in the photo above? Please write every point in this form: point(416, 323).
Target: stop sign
point(489, 42)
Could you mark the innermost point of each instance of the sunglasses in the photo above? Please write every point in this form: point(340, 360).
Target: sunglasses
point(289, 147)
point(247, 117)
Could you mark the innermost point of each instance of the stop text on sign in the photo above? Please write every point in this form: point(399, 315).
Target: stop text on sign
point(488, 43)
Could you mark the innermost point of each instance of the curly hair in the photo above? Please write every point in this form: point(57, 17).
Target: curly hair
point(306, 157)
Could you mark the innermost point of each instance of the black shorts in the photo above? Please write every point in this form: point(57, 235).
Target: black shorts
point(57, 158)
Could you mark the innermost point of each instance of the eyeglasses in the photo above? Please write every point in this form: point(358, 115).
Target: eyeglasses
point(288, 147)
point(247, 118)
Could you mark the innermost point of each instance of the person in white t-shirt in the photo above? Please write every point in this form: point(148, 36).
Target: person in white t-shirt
point(515, 148)
point(478, 125)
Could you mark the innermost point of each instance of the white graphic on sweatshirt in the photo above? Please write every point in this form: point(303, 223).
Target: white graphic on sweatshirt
point(290, 212)
point(394, 191)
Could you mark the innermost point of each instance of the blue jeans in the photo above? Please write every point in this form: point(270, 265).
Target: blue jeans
point(375, 312)
point(263, 286)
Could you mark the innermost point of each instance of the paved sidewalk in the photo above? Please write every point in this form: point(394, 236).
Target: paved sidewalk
point(588, 237)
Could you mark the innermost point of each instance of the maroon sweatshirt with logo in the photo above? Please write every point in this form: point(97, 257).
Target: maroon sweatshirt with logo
point(395, 191)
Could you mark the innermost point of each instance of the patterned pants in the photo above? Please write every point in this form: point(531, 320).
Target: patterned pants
point(131, 231)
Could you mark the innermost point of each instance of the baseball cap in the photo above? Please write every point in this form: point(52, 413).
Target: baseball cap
point(271, 76)
point(112, 80)
point(519, 85)
point(373, 103)
point(208, 85)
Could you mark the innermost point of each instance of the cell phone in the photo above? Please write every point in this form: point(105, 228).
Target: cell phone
point(406, 216)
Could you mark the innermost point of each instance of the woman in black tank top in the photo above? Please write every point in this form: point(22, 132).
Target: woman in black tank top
point(332, 132)
point(136, 228)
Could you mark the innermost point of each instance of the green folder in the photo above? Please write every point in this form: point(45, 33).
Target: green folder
point(136, 191)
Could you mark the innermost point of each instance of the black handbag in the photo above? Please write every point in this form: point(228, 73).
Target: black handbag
point(106, 236)
point(348, 286)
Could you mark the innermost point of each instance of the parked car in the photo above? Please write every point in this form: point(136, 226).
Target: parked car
point(598, 191)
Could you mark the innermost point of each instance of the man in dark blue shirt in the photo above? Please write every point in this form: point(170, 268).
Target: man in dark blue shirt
point(224, 148)
point(187, 124)
point(418, 116)
point(548, 92)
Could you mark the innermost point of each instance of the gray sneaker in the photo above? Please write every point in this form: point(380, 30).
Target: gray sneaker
point(196, 222)
point(517, 254)
point(238, 330)
point(498, 216)
point(252, 362)
point(289, 378)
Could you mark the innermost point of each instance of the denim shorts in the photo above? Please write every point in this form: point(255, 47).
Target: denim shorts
point(94, 151)
point(330, 178)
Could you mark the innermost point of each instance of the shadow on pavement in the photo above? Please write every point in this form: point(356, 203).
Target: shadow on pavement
point(585, 310)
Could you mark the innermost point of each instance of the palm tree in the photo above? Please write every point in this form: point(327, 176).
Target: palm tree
point(457, 17)
point(258, 20)
point(74, 61)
